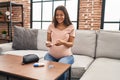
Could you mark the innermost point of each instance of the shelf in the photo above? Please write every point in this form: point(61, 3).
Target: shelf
point(6, 40)
point(3, 41)
point(9, 6)
point(4, 4)
point(10, 21)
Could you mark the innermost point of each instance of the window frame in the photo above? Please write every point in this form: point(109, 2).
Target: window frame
point(103, 22)
point(41, 21)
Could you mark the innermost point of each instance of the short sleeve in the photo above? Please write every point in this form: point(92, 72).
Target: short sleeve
point(72, 33)
point(49, 30)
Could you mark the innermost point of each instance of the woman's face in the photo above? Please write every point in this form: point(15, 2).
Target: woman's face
point(60, 16)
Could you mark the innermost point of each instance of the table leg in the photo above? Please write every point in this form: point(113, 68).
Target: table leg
point(7, 77)
point(69, 78)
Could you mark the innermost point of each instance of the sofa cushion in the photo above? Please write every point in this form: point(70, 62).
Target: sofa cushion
point(108, 44)
point(25, 38)
point(41, 40)
point(39, 53)
point(85, 42)
point(103, 69)
point(6, 47)
point(81, 63)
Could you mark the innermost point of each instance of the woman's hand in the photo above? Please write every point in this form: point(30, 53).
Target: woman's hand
point(68, 43)
point(59, 42)
point(48, 44)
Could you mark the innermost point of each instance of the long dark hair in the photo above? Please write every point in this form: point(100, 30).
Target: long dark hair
point(67, 21)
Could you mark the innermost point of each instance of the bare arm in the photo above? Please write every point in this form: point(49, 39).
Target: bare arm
point(48, 42)
point(49, 37)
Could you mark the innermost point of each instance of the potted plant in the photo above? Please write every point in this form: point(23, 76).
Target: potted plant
point(4, 33)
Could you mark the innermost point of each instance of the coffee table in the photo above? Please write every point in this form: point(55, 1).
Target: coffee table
point(11, 65)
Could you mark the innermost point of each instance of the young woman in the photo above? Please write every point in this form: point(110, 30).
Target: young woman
point(60, 38)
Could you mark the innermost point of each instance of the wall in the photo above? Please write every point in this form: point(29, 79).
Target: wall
point(89, 17)
point(26, 9)
point(90, 14)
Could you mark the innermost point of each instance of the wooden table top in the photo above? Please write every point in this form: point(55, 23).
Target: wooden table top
point(12, 64)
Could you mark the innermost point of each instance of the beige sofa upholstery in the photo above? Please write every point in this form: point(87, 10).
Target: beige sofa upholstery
point(96, 54)
point(106, 65)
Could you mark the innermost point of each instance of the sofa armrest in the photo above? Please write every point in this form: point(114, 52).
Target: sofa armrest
point(5, 47)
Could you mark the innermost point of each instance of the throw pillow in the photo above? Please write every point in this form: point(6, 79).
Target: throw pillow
point(24, 38)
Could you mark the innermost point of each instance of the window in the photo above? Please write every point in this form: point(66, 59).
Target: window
point(42, 12)
point(111, 15)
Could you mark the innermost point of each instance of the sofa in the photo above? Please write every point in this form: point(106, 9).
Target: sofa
point(96, 53)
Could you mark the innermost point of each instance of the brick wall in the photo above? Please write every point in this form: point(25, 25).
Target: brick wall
point(16, 13)
point(90, 14)
point(89, 17)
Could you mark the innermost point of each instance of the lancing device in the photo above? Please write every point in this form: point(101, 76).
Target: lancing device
point(38, 64)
